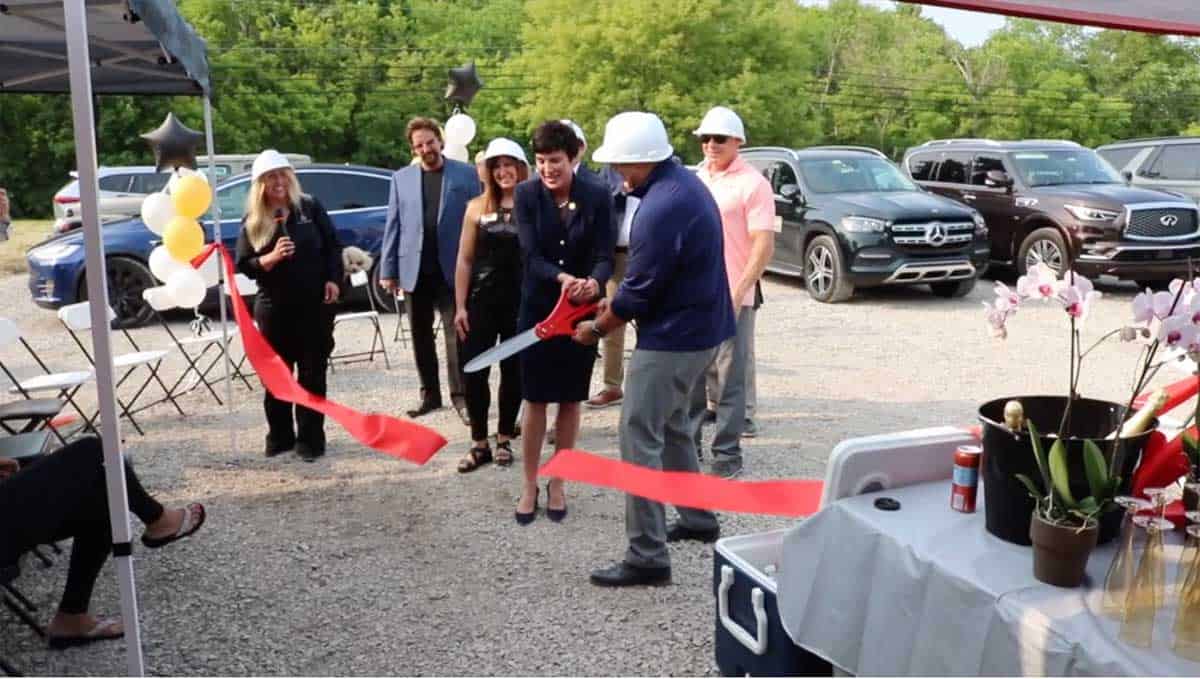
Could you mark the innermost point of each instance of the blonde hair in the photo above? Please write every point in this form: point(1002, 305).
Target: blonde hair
point(260, 221)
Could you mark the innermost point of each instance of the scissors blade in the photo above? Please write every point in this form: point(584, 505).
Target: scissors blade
point(503, 350)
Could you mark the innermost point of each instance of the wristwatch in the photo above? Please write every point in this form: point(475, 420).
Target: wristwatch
point(596, 331)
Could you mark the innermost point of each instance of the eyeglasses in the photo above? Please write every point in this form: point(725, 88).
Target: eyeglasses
point(715, 138)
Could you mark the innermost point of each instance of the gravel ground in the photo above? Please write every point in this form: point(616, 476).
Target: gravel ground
point(362, 564)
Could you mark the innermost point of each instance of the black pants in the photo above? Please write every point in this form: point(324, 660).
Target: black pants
point(432, 293)
point(63, 495)
point(303, 338)
point(491, 320)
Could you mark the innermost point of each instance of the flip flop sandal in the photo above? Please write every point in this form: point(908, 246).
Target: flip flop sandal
point(193, 518)
point(474, 459)
point(101, 631)
point(504, 454)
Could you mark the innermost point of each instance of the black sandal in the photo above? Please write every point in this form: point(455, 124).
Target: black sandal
point(504, 454)
point(474, 459)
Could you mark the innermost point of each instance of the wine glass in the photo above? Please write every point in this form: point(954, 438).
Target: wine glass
point(1120, 571)
point(1145, 597)
point(1186, 642)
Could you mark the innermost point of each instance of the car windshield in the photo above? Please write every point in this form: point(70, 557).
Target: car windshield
point(848, 175)
point(1050, 168)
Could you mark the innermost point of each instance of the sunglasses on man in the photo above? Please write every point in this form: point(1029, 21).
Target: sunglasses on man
point(714, 138)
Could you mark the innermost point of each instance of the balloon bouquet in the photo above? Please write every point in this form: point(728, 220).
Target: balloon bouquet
point(460, 128)
point(173, 214)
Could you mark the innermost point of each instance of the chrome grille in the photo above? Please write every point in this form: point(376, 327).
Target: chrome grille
point(1161, 221)
point(933, 235)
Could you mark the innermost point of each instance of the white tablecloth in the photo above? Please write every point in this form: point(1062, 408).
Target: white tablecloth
point(927, 591)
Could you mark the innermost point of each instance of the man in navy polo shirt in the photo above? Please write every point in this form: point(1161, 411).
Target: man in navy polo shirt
point(676, 289)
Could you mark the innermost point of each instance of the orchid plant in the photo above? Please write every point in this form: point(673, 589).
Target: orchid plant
point(1164, 322)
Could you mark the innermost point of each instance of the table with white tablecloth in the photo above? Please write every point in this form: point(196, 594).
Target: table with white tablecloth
point(926, 590)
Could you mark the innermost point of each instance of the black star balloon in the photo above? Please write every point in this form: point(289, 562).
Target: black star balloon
point(464, 84)
point(174, 144)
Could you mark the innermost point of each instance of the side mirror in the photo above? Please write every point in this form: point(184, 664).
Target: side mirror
point(998, 178)
point(791, 192)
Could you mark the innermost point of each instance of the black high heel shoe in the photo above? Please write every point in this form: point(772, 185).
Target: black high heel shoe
point(555, 515)
point(526, 519)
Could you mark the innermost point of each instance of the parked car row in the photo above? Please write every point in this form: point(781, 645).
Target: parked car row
point(850, 217)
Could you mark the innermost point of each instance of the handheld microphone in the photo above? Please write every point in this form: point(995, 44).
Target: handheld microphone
point(281, 223)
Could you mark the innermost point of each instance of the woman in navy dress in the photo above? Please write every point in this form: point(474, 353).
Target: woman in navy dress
point(567, 240)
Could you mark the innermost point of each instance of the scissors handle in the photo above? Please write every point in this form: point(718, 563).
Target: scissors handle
point(565, 316)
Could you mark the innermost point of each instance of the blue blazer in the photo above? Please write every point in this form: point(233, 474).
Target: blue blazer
point(583, 247)
point(404, 233)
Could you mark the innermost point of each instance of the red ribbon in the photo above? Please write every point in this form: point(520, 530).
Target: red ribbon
point(800, 497)
point(393, 436)
point(1177, 393)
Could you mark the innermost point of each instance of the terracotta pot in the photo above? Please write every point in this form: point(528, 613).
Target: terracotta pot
point(1060, 553)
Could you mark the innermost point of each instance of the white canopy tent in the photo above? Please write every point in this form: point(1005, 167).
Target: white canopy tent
point(108, 47)
point(1176, 17)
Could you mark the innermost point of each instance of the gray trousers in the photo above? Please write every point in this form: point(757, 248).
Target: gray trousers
point(712, 380)
point(660, 418)
point(728, 370)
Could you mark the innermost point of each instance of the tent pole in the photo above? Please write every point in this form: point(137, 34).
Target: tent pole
point(221, 281)
point(78, 60)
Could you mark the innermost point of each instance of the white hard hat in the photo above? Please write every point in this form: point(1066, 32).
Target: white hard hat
point(723, 121)
point(501, 146)
point(266, 161)
point(576, 129)
point(634, 137)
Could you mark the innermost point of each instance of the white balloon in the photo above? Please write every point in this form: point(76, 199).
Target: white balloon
point(180, 174)
point(460, 129)
point(162, 264)
point(157, 210)
point(210, 270)
point(187, 287)
point(457, 152)
point(159, 298)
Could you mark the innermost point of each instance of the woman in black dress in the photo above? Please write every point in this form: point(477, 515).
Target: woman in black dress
point(487, 292)
point(567, 241)
point(289, 247)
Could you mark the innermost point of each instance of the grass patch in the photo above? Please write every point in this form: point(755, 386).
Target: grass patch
point(22, 235)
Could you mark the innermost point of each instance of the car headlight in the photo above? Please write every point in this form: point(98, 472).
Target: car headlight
point(54, 252)
point(864, 225)
point(980, 225)
point(1091, 214)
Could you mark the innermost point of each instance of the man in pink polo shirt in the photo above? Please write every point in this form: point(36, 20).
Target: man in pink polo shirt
point(748, 220)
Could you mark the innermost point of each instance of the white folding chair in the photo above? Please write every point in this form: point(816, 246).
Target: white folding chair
point(246, 288)
point(77, 318)
point(64, 385)
point(401, 334)
point(203, 342)
point(359, 279)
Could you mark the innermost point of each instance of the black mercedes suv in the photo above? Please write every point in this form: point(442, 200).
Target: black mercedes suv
point(1060, 203)
point(852, 219)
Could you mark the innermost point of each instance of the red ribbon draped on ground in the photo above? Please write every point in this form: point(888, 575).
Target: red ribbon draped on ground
point(799, 497)
point(390, 435)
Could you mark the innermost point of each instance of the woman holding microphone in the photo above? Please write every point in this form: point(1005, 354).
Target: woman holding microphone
point(289, 247)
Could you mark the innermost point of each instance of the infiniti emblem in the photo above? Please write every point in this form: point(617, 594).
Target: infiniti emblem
point(1168, 220)
point(935, 234)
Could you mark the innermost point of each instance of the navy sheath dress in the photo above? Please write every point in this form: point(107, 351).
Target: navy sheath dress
point(577, 238)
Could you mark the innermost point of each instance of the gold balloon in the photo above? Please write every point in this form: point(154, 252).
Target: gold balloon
point(183, 238)
point(191, 197)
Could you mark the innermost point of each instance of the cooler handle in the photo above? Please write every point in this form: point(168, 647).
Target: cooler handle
point(758, 645)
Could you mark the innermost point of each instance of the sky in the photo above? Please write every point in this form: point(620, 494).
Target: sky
point(969, 28)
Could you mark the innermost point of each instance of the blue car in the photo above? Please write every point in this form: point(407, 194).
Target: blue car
point(355, 196)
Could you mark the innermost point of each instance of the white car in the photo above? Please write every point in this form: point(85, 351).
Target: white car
point(122, 189)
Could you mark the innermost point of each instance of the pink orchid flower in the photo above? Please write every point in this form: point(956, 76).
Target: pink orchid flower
point(1039, 283)
point(1004, 292)
point(1178, 332)
point(997, 316)
point(1077, 295)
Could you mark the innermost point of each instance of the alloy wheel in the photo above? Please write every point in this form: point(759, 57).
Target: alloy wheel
point(820, 270)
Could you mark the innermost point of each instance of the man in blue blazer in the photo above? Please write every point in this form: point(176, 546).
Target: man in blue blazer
point(420, 250)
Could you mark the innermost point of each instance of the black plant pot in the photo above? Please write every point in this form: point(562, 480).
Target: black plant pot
point(1007, 503)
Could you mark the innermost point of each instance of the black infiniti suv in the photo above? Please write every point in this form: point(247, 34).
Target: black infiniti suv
point(852, 219)
point(1060, 203)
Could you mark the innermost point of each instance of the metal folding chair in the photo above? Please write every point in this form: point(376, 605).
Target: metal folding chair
point(200, 343)
point(77, 318)
point(359, 279)
point(63, 384)
point(34, 413)
point(246, 288)
point(401, 334)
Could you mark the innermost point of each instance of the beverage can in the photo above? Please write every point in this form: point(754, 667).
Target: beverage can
point(965, 484)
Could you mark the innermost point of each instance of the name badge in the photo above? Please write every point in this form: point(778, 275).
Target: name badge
point(489, 218)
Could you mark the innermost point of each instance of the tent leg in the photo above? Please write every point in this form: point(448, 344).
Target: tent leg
point(79, 63)
point(216, 211)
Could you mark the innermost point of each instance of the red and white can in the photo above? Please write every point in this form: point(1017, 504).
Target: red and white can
point(966, 479)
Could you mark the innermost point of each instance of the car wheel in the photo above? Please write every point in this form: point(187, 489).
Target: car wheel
point(385, 302)
point(127, 278)
point(1043, 246)
point(951, 289)
point(824, 272)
